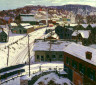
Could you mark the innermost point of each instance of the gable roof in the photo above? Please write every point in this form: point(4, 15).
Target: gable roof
point(84, 33)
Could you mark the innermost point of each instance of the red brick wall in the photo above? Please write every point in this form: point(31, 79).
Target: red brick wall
point(77, 79)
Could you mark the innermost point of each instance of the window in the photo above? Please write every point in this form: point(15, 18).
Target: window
point(74, 64)
point(91, 74)
point(38, 57)
point(42, 58)
point(68, 35)
point(53, 56)
point(81, 68)
point(60, 57)
point(47, 56)
point(67, 60)
point(65, 35)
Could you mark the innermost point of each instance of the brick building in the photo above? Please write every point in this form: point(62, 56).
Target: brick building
point(80, 64)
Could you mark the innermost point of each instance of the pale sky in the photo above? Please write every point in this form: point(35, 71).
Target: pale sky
point(11, 4)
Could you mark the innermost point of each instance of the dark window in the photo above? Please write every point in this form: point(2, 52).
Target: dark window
point(91, 74)
point(42, 58)
point(74, 64)
point(38, 57)
point(60, 57)
point(65, 35)
point(68, 35)
point(53, 56)
point(47, 56)
point(68, 61)
point(81, 68)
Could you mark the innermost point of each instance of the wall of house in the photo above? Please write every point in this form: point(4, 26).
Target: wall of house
point(49, 56)
point(3, 37)
point(77, 78)
point(30, 30)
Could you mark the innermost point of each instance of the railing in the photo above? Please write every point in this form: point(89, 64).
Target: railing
point(11, 68)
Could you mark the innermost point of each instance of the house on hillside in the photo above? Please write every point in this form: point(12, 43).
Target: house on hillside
point(46, 50)
point(64, 32)
point(23, 29)
point(12, 25)
point(28, 18)
point(79, 27)
point(3, 35)
point(8, 20)
point(80, 64)
point(81, 34)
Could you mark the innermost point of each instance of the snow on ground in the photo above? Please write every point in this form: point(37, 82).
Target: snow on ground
point(93, 46)
point(16, 81)
point(18, 52)
point(12, 38)
point(54, 77)
point(44, 66)
point(34, 68)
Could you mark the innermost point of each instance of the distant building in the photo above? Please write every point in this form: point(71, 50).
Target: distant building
point(3, 35)
point(80, 64)
point(7, 20)
point(23, 29)
point(81, 34)
point(28, 18)
point(64, 32)
point(12, 25)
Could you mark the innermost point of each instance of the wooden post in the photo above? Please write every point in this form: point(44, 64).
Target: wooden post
point(8, 56)
point(29, 55)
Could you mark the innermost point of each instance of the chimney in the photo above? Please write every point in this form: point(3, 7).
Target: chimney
point(88, 55)
point(2, 29)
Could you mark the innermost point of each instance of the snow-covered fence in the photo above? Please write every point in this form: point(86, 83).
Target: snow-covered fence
point(13, 81)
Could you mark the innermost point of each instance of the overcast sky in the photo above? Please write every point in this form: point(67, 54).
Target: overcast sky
point(11, 4)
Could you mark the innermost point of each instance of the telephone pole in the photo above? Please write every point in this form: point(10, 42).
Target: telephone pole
point(29, 55)
point(8, 56)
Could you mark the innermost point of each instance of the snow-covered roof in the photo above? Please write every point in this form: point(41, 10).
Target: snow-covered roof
point(27, 27)
point(84, 33)
point(93, 25)
point(25, 24)
point(6, 18)
point(2, 26)
point(28, 18)
point(71, 25)
point(41, 45)
point(85, 25)
point(79, 51)
point(27, 14)
point(13, 24)
point(5, 30)
point(0, 30)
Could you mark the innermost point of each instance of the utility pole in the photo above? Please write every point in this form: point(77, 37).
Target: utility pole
point(8, 32)
point(8, 56)
point(29, 55)
point(50, 41)
point(47, 17)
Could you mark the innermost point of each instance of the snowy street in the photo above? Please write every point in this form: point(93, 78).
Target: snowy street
point(18, 51)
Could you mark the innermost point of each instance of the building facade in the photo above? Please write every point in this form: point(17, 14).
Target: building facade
point(80, 71)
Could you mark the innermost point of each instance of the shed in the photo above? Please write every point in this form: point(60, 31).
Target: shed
point(19, 30)
point(23, 29)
